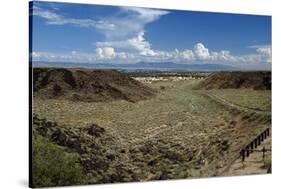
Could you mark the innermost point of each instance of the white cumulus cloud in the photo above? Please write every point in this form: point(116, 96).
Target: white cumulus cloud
point(105, 52)
point(144, 52)
point(264, 52)
point(201, 51)
point(138, 44)
point(185, 54)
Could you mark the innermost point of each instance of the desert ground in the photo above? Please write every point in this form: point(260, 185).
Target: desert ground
point(178, 131)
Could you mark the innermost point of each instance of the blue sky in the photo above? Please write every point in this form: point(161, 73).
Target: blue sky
point(99, 34)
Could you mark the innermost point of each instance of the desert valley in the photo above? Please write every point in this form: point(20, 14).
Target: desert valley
point(120, 127)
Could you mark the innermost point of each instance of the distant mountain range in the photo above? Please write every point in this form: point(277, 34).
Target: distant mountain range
point(164, 66)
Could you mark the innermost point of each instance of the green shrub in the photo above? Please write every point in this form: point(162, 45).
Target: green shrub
point(52, 166)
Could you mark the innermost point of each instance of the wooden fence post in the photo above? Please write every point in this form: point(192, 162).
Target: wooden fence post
point(243, 155)
point(256, 142)
point(252, 147)
point(247, 151)
point(267, 131)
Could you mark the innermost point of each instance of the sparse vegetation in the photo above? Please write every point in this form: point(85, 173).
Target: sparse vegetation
point(162, 87)
point(88, 85)
point(267, 163)
point(177, 133)
point(53, 166)
point(257, 80)
point(253, 99)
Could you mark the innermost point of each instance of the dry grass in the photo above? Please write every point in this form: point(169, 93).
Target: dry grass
point(178, 134)
point(248, 98)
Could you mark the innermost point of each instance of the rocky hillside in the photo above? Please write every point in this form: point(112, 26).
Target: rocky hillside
point(88, 85)
point(258, 80)
point(100, 156)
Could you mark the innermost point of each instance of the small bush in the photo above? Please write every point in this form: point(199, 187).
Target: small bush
point(52, 166)
point(267, 165)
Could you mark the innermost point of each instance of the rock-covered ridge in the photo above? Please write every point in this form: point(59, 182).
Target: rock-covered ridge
point(88, 85)
point(258, 80)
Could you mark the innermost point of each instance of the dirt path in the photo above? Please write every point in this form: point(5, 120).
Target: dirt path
point(236, 106)
point(254, 164)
